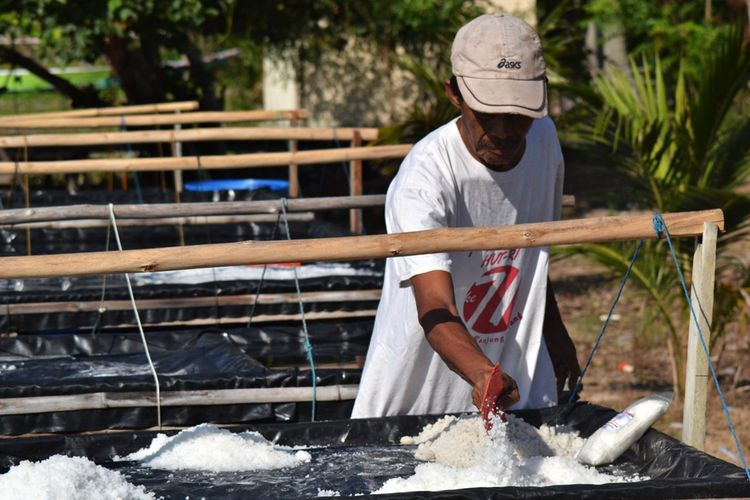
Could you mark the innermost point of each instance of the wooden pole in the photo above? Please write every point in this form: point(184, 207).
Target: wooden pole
point(599, 229)
point(355, 188)
point(167, 107)
point(293, 169)
point(27, 200)
point(252, 160)
point(697, 373)
point(264, 318)
point(153, 120)
point(176, 148)
point(187, 135)
point(103, 400)
point(161, 210)
point(160, 221)
point(192, 302)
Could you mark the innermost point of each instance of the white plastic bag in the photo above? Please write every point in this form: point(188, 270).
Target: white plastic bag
point(624, 429)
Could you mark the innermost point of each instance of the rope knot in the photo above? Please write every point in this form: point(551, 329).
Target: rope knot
point(659, 225)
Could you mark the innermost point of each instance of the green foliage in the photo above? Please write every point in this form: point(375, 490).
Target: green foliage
point(675, 30)
point(412, 25)
point(685, 145)
point(561, 29)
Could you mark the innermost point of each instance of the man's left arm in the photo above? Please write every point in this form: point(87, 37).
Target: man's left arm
point(560, 346)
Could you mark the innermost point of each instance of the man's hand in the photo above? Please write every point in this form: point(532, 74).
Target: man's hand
point(562, 351)
point(495, 392)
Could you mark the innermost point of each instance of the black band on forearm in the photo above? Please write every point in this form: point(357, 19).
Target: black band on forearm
point(437, 316)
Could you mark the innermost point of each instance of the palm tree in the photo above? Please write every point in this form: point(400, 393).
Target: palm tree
point(684, 144)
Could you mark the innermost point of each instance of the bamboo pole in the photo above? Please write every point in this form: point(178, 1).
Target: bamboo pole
point(252, 160)
point(262, 318)
point(187, 135)
point(104, 400)
point(176, 148)
point(696, 371)
point(192, 302)
point(292, 144)
point(153, 119)
point(355, 188)
point(161, 210)
point(165, 107)
point(160, 221)
point(599, 229)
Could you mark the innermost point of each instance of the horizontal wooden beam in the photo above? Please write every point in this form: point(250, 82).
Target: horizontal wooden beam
point(156, 119)
point(259, 318)
point(197, 220)
point(161, 210)
point(164, 107)
point(188, 135)
point(192, 302)
point(598, 229)
point(253, 160)
point(104, 400)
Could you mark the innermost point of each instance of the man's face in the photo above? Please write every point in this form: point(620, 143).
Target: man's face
point(497, 140)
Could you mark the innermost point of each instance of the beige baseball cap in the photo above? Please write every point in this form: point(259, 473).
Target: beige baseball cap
point(498, 62)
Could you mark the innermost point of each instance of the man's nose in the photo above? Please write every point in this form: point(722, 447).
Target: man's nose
point(502, 128)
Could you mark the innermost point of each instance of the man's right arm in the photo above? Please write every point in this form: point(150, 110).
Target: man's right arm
point(448, 336)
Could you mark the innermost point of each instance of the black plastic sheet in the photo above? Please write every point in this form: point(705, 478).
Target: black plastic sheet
point(86, 320)
point(355, 457)
point(64, 240)
point(37, 365)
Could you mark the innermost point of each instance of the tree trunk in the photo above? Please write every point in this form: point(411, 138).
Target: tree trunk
point(80, 97)
point(141, 78)
point(200, 75)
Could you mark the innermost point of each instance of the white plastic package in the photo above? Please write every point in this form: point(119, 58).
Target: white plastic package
point(624, 429)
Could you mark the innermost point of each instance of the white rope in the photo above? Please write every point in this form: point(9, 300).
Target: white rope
point(138, 320)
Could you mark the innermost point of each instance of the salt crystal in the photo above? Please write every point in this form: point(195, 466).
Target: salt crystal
point(209, 448)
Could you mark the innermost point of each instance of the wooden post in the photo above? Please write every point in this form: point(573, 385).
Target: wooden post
point(696, 374)
point(177, 152)
point(293, 169)
point(355, 187)
point(27, 196)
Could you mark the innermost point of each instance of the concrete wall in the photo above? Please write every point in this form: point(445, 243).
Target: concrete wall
point(357, 86)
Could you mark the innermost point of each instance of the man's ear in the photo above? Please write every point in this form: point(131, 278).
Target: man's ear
point(452, 96)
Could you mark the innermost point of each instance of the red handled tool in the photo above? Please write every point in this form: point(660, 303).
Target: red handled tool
point(492, 392)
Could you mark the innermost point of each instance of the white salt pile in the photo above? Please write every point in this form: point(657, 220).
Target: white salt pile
point(209, 448)
point(462, 455)
point(67, 478)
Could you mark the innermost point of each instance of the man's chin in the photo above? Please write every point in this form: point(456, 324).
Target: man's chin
point(497, 162)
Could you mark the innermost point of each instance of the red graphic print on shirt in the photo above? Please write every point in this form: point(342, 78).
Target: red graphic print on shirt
point(496, 288)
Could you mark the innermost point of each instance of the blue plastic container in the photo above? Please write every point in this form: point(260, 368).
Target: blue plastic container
point(238, 184)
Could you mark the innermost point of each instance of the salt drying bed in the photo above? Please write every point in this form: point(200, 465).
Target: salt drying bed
point(361, 457)
point(33, 366)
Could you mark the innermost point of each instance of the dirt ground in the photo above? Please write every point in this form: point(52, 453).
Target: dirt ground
point(629, 364)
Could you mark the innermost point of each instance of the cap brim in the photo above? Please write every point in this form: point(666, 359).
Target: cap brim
point(495, 95)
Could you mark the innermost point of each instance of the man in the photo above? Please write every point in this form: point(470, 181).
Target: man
point(446, 320)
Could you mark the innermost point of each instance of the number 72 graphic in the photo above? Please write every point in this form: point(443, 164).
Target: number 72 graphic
point(489, 293)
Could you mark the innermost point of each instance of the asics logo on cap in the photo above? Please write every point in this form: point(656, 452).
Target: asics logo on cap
point(504, 63)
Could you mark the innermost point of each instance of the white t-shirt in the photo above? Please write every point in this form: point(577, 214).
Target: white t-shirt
point(499, 294)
